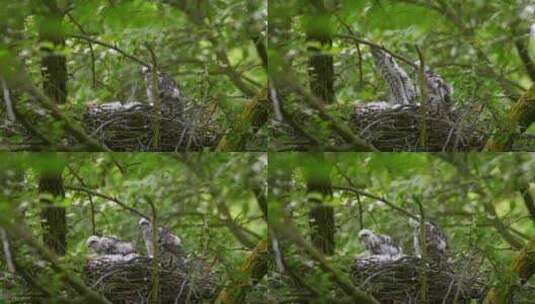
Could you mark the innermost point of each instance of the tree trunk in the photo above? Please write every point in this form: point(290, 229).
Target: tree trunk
point(321, 217)
point(321, 65)
point(53, 64)
point(54, 221)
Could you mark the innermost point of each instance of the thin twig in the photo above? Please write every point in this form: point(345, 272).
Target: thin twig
point(423, 251)
point(343, 130)
point(226, 216)
point(286, 228)
point(375, 197)
point(155, 290)
point(110, 46)
point(423, 95)
point(22, 233)
point(90, 44)
point(89, 196)
point(107, 197)
point(155, 98)
point(22, 80)
point(382, 48)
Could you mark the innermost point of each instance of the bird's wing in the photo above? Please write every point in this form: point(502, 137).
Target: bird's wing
point(401, 86)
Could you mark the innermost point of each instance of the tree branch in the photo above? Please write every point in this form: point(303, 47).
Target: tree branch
point(285, 227)
point(155, 99)
point(221, 54)
point(500, 227)
point(110, 46)
point(382, 48)
point(223, 209)
point(19, 231)
point(523, 52)
point(155, 289)
point(254, 268)
point(528, 201)
point(423, 92)
point(520, 117)
point(357, 143)
point(20, 79)
point(377, 198)
point(109, 198)
point(254, 115)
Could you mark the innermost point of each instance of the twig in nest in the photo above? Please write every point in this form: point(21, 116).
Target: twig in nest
point(423, 92)
point(155, 99)
point(155, 291)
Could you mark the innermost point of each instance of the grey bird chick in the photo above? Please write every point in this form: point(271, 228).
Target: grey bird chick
point(436, 241)
point(171, 101)
point(146, 231)
point(380, 245)
point(438, 92)
point(109, 245)
point(170, 242)
point(170, 245)
point(401, 87)
point(93, 242)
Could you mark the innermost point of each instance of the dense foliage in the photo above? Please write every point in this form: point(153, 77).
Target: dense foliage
point(482, 48)
point(208, 49)
point(481, 201)
point(209, 201)
point(272, 119)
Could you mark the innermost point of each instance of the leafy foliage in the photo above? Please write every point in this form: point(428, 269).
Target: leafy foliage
point(474, 45)
point(187, 192)
point(106, 44)
point(457, 191)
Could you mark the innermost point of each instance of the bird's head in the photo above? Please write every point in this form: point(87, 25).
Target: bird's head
point(414, 222)
point(92, 241)
point(365, 234)
point(146, 70)
point(429, 72)
point(177, 242)
point(144, 223)
point(170, 238)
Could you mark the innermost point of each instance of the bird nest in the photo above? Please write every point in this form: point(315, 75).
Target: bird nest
point(398, 128)
point(128, 282)
point(130, 128)
point(400, 281)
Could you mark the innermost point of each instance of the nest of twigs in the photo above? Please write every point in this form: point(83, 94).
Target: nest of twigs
point(131, 128)
point(129, 282)
point(400, 281)
point(399, 128)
